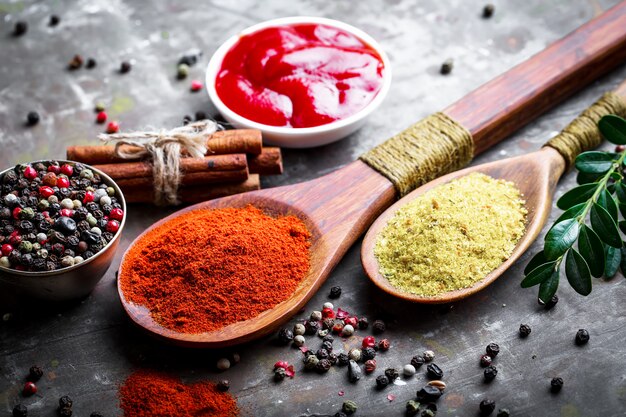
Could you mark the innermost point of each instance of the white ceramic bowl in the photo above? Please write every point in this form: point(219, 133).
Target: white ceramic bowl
point(304, 137)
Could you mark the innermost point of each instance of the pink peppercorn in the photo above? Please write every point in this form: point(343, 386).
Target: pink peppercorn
point(281, 364)
point(352, 321)
point(116, 214)
point(63, 182)
point(196, 86)
point(328, 313)
point(368, 341)
point(30, 173)
point(101, 117)
point(67, 169)
point(67, 212)
point(112, 226)
point(113, 127)
point(46, 191)
point(89, 197)
point(6, 249)
point(54, 169)
point(29, 389)
point(384, 344)
point(16, 212)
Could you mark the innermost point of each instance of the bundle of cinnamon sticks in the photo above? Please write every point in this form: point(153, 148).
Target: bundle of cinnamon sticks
point(233, 164)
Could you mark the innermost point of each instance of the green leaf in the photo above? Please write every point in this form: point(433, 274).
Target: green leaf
point(622, 263)
point(538, 259)
point(616, 176)
point(604, 225)
point(593, 162)
point(571, 213)
point(577, 273)
point(560, 238)
point(622, 226)
point(606, 201)
point(585, 178)
point(613, 128)
point(576, 195)
point(613, 259)
point(538, 275)
point(620, 192)
point(548, 288)
point(590, 247)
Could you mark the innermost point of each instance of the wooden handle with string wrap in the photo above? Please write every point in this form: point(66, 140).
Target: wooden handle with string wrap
point(448, 140)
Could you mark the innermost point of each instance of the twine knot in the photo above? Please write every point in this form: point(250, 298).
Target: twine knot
point(164, 148)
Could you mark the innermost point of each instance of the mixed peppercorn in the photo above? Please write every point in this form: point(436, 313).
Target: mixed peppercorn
point(55, 215)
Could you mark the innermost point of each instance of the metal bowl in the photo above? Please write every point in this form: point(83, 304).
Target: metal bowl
point(74, 281)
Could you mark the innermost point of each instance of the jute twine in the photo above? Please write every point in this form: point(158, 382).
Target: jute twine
point(582, 134)
point(429, 149)
point(164, 148)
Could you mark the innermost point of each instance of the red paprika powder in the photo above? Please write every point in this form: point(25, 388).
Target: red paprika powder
point(152, 394)
point(207, 269)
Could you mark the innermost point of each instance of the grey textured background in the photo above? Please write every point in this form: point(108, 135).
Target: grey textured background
point(89, 347)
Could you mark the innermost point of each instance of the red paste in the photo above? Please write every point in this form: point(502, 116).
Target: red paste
point(299, 75)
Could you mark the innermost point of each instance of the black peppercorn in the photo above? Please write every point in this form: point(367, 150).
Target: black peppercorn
point(493, 349)
point(35, 373)
point(284, 335)
point(428, 394)
point(582, 337)
point(551, 302)
point(434, 372)
point(75, 63)
point(20, 28)
point(378, 326)
point(335, 292)
point(503, 412)
point(485, 360)
point(65, 402)
point(368, 353)
point(486, 407)
point(279, 374)
point(322, 354)
point(125, 67)
point(20, 411)
point(187, 119)
point(91, 63)
point(54, 20)
point(340, 414)
point(311, 327)
point(328, 338)
point(65, 412)
point(417, 361)
point(328, 346)
point(95, 414)
point(446, 67)
point(488, 10)
point(223, 385)
point(332, 358)
point(524, 330)
point(490, 373)
point(343, 359)
point(200, 115)
point(327, 324)
point(556, 384)
point(392, 374)
point(32, 118)
point(382, 381)
point(323, 366)
point(363, 323)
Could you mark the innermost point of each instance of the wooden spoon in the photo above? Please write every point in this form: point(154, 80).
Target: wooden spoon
point(339, 207)
point(535, 174)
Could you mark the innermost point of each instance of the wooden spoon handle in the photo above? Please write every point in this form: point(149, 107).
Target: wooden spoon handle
point(508, 102)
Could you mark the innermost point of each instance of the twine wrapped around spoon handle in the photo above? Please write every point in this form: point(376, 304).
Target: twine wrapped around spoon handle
point(582, 133)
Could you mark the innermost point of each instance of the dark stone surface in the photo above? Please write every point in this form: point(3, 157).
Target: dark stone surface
point(87, 348)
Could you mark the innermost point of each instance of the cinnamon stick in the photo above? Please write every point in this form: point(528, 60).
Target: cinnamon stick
point(194, 178)
point(214, 163)
point(220, 143)
point(268, 162)
point(194, 194)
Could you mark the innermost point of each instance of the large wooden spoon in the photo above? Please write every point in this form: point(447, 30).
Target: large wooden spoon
point(340, 206)
point(535, 175)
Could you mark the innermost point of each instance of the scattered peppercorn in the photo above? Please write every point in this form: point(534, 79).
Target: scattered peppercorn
point(35, 373)
point(551, 302)
point(620, 148)
point(368, 353)
point(99, 107)
point(485, 360)
point(378, 327)
point(428, 413)
point(54, 20)
point(343, 359)
point(524, 330)
point(488, 10)
point(298, 329)
point(182, 70)
point(490, 373)
point(91, 63)
point(503, 412)
point(65, 412)
point(20, 411)
point(95, 414)
point(20, 28)
point(409, 370)
point(340, 414)
point(493, 349)
point(113, 127)
point(363, 323)
point(310, 362)
point(428, 355)
point(434, 372)
point(285, 336)
point(195, 86)
point(417, 361)
point(298, 341)
point(487, 407)
point(323, 366)
point(556, 384)
point(370, 366)
point(223, 364)
point(582, 337)
point(223, 385)
point(32, 118)
point(335, 292)
point(446, 67)
point(392, 374)
point(101, 117)
point(384, 345)
point(412, 407)
point(279, 374)
point(428, 393)
point(354, 371)
point(125, 67)
point(29, 389)
point(349, 407)
point(382, 381)
point(187, 119)
point(200, 115)
point(65, 402)
point(75, 63)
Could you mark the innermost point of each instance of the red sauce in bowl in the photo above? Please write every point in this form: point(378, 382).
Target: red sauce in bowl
point(299, 75)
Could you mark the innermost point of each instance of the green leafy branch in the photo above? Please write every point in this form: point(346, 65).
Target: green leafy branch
point(590, 222)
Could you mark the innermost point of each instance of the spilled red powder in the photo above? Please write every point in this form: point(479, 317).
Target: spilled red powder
point(152, 394)
point(207, 269)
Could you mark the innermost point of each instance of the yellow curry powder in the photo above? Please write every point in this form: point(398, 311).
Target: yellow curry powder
point(452, 236)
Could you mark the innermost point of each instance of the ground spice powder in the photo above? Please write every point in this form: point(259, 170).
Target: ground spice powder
point(452, 236)
point(152, 394)
point(207, 269)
